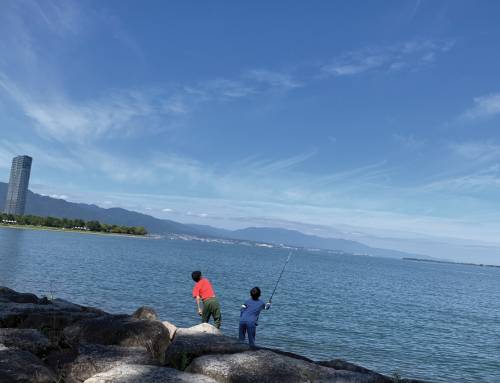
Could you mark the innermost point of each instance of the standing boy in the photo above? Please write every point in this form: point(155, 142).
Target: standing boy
point(203, 290)
point(249, 317)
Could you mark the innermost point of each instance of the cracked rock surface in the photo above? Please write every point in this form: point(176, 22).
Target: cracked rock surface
point(85, 360)
point(142, 374)
point(268, 367)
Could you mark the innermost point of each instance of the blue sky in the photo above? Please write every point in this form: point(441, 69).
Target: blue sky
point(368, 120)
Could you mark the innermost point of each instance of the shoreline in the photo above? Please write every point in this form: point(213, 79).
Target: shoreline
point(453, 263)
point(44, 228)
point(89, 345)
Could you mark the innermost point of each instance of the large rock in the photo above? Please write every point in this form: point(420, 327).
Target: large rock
point(145, 312)
point(194, 344)
point(85, 360)
point(201, 328)
point(141, 374)
point(23, 367)
point(119, 330)
point(339, 364)
point(172, 330)
point(19, 310)
point(26, 339)
point(268, 367)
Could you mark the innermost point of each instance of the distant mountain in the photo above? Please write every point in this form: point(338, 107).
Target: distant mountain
point(44, 206)
point(298, 239)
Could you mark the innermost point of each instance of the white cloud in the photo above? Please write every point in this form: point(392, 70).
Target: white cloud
point(227, 88)
point(478, 151)
point(9, 150)
point(485, 106)
point(58, 196)
point(408, 142)
point(411, 54)
point(167, 210)
point(273, 78)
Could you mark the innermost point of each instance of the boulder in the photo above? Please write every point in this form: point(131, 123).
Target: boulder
point(339, 364)
point(268, 367)
point(285, 353)
point(171, 330)
point(87, 359)
point(54, 315)
point(145, 312)
point(201, 328)
point(25, 339)
point(141, 374)
point(119, 330)
point(195, 344)
point(24, 367)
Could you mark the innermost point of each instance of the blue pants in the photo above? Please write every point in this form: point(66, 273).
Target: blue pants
point(248, 327)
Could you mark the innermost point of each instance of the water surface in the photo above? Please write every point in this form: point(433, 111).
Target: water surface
point(430, 321)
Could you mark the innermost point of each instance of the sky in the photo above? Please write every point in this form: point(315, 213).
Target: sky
point(375, 121)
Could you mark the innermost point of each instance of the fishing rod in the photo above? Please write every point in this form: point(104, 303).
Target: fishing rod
point(279, 278)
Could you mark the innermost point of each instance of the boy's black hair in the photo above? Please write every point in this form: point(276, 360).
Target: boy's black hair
point(196, 275)
point(255, 293)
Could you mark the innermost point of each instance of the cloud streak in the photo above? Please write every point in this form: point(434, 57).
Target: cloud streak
point(410, 55)
point(484, 107)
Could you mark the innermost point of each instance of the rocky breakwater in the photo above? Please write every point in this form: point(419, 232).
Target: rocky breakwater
point(56, 341)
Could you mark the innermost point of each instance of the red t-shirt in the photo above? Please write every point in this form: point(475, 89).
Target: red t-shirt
point(204, 289)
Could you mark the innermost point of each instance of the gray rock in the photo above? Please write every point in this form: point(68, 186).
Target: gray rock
point(196, 344)
point(24, 339)
point(267, 367)
point(23, 367)
point(201, 328)
point(119, 330)
point(56, 315)
point(339, 364)
point(85, 360)
point(285, 353)
point(172, 330)
point(141, 374)
point(145, 312)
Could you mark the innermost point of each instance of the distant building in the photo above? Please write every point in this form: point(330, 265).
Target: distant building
point(18, 185)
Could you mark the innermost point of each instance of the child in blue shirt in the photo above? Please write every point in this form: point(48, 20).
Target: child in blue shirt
point(249, 317)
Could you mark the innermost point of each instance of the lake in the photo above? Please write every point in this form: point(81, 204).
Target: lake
point(430, 321)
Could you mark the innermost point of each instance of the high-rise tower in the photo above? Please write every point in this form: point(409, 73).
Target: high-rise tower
point(18, 185)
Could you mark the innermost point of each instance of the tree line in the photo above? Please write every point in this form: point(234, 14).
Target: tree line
point(66, 223)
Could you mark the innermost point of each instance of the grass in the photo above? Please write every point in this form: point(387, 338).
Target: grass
point(179, 361)
point(46, 228)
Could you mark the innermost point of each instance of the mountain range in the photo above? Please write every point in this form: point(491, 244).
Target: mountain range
point(37, 204)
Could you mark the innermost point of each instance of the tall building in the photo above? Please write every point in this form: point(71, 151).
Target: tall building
point(18, 185)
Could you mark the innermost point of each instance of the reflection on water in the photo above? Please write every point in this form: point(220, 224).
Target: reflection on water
point(11, 244)
point(435, 322)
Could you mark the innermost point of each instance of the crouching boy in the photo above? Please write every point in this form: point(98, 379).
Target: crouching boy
point(249, 317)
point(203, 290)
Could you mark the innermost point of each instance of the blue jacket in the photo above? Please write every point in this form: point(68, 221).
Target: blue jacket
point(250, 310)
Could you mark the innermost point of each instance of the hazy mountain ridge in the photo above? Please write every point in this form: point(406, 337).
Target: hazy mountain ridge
point(296, 238)
point(37, 204)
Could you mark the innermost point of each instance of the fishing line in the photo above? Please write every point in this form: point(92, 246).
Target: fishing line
point(279, 277)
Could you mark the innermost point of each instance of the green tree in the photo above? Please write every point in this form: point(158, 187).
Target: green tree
point(140, 230)
point(93, 226)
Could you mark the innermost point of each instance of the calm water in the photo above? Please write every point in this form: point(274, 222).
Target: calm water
point(429, 321)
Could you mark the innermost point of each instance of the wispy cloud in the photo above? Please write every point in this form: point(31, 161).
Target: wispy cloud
point(484, 107)
point(477, 151)
point(273, 78)
point(54, 159)
point(408, 142)
point(411, 55)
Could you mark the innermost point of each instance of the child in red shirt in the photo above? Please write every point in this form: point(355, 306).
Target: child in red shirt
point(203, 290)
